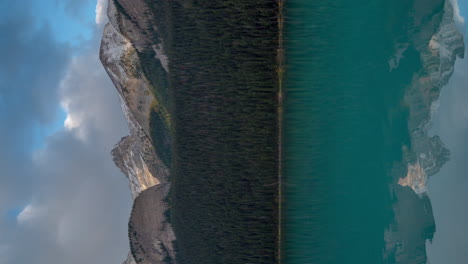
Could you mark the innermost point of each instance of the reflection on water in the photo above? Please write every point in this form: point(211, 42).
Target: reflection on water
point(359, 95)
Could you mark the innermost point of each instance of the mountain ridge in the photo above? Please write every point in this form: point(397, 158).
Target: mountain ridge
point(135, 154)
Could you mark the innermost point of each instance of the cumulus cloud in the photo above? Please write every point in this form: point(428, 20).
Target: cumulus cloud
point(81, 201)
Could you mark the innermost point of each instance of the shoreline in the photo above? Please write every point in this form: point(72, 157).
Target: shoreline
point(280, 60)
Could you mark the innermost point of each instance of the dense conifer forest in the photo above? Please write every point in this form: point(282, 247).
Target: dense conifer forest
point(223, 101)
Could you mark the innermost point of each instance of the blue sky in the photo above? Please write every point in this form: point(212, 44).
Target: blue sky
point(463, 6)
point(72, 27)
point(66, 27)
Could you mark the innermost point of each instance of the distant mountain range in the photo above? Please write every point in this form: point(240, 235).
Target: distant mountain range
point(130, 32)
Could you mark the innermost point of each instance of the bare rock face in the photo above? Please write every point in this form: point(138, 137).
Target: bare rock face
point(135, 22)
point(137, 158)
point(134, 19)
point(120, 59)
point(129, 157)
point(150, 235)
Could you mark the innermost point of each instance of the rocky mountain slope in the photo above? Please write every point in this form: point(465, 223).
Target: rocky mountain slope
point(127, 38)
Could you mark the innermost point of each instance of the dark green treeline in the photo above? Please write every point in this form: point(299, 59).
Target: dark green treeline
point(223, 89)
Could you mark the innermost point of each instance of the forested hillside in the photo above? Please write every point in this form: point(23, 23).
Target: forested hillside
point(223, 87)
point(214, 121)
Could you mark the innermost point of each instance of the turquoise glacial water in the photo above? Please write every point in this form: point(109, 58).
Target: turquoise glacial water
point(345, 125)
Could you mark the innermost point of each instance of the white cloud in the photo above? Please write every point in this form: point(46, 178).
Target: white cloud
point(74, 119)
point(70, 122)
point(101, 8)
point(81, 201)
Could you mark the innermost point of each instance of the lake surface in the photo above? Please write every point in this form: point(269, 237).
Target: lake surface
point(349, 66)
